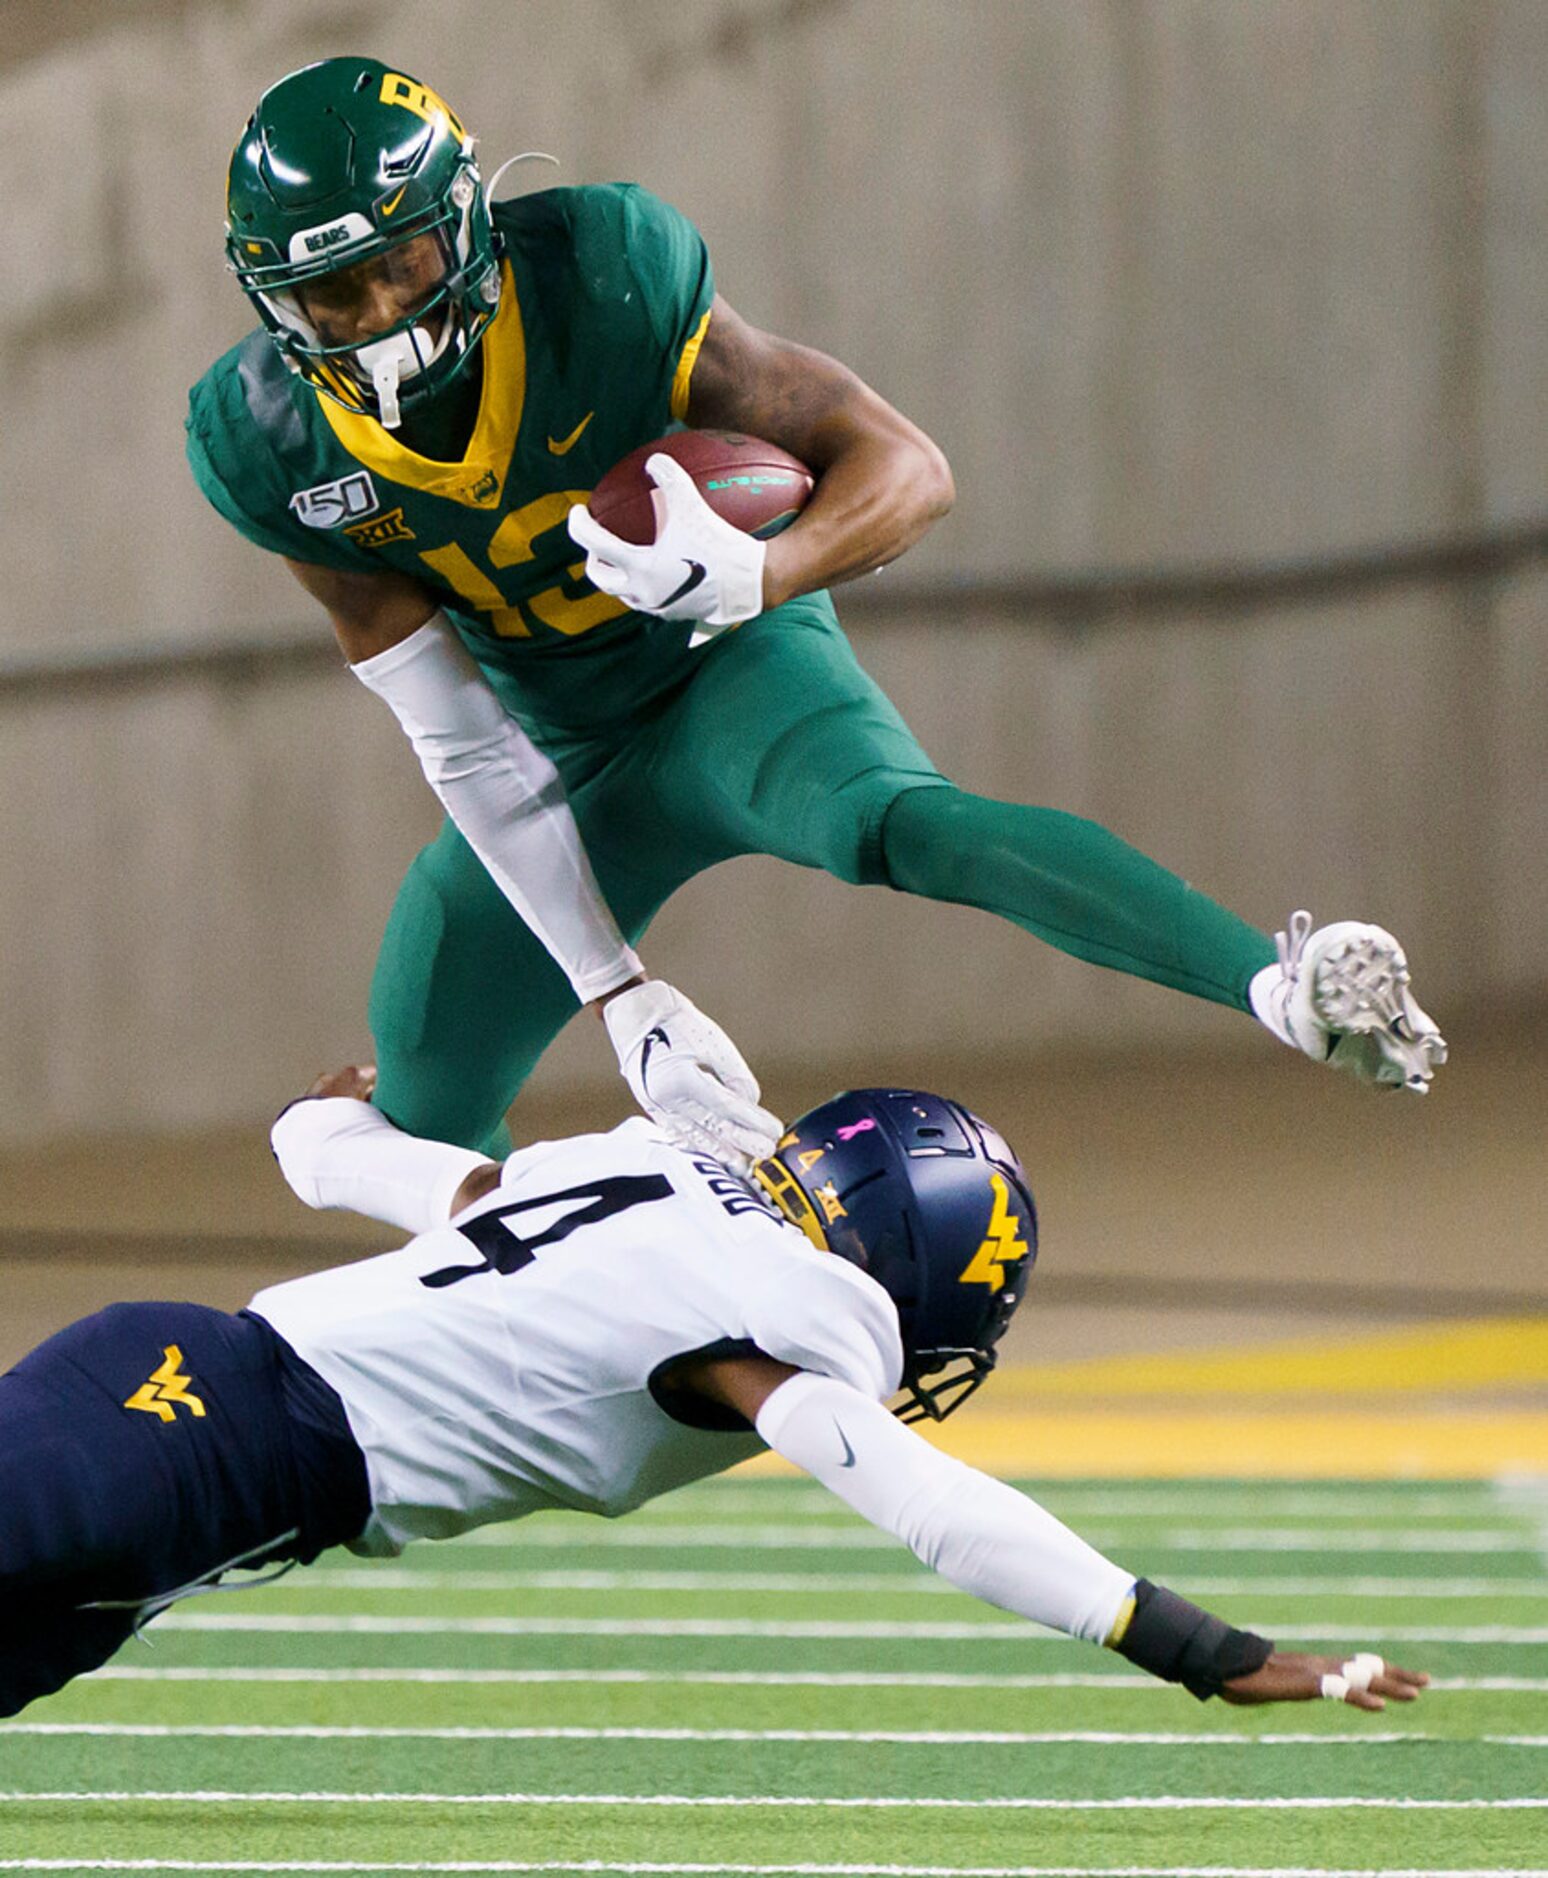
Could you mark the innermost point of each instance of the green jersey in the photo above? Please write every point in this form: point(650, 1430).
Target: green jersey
point(605, 301)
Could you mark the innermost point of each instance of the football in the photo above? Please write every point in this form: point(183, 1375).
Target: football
point(754, 485)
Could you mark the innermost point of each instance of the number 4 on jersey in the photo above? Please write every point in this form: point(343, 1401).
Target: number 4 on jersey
point(505, 1251)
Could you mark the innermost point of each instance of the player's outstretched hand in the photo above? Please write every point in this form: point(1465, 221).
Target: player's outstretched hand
point(699, 566)
point(687, 1074)
point(355, 1079)
point(1362, 1681)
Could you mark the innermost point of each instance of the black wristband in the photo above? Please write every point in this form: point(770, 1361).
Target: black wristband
point(1178, 1642)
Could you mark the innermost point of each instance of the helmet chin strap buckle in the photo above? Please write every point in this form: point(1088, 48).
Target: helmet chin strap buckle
point(384, 380)
point(397, 357)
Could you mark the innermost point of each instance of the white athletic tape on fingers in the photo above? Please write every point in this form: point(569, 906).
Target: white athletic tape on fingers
point(1356, 1673)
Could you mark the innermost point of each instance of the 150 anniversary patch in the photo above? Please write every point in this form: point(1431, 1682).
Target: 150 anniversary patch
point(332, 505)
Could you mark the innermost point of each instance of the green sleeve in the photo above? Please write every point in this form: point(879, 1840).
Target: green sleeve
point(647, 265)
point(668, 258)
point(219, 496)
point(226, 451)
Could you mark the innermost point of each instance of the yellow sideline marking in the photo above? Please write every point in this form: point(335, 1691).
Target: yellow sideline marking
point(1304, 1408)
point(1426, 1361)
point(1177, 1444)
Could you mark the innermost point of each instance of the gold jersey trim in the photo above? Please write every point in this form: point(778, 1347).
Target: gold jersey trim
point(683, 376)
point(479, 478)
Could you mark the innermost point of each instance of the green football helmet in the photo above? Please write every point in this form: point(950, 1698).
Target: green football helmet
point(342, 162)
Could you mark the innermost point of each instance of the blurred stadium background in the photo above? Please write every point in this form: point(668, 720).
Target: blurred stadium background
point(1229, 314)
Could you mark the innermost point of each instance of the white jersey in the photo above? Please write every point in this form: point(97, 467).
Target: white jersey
point(506, 1363)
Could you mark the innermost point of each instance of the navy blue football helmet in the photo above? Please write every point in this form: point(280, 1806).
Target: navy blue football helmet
point(931, 1202)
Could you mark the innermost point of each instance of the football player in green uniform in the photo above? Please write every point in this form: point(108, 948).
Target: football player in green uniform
point(438, 383)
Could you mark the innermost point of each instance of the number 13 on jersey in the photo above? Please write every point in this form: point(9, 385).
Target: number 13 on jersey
point(574, 606)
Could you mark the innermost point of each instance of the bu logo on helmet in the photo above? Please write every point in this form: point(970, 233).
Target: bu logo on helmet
point(398, 88)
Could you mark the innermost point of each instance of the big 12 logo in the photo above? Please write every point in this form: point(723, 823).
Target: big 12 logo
point(331, 505)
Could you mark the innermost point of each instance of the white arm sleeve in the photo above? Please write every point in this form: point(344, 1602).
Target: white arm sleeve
point(982, 1535)
point(506, 799)
point(338, 1152)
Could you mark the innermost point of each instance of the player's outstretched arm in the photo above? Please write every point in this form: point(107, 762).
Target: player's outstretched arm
point(508, 801)
point(1003, 1547)
point(338, 1152)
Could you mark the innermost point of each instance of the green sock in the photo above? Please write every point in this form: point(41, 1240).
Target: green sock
point(1074, 885)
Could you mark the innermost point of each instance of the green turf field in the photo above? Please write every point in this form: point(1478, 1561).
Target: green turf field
point(744, 1678)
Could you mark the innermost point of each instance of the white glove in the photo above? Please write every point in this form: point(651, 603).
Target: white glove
point(698, 567)
point(688, 1075)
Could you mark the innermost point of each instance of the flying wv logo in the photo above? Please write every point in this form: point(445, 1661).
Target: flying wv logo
point(1002, 1242)
point(166, 1389)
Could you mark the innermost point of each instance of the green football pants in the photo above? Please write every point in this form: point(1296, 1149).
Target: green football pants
point(777, 743)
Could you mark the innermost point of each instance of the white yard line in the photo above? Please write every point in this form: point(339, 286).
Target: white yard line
point(1529, 1499)
point(1149, 1802)
point(1269, 1539)
point(589, 1535)
point(974, 1737)
point(806, 1679)
point(803, 1679)
point(358, 1623)
point(905, 1580)
point(1161, 1499)
point(1407, 1633)
point(1361, 1501)
point(824, 1584)
point(1320, 1539)
point(663, 1870)
point(355, 1623)
point(795, 1535)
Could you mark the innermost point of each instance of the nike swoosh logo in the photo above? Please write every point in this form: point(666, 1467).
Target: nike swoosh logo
point(652, 1038)
point(849, 1453)
point(695, 579)
point(388, 207)
point(563, 449)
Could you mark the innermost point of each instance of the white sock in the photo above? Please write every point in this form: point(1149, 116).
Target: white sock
point(1266, 993)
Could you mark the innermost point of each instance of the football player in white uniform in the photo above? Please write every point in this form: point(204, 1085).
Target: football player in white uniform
point(587, 1325)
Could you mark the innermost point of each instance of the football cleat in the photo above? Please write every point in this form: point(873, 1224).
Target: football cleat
point(1340, 993)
